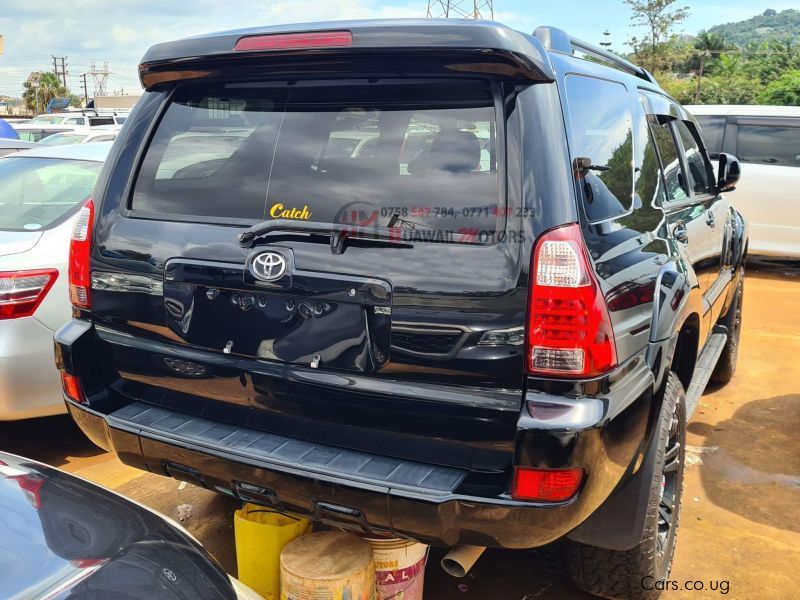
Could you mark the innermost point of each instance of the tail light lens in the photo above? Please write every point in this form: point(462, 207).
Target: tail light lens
point(569, 330)
point(80, 281)
point(546, 485)
point(73, 388)
point(21, 292)
point(295, 41)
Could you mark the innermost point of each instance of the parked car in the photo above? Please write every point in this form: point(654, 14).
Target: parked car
point(41, 192)
point(33, 132)
point(496, 340)
point(10, 146)
point(83, 118)
point(63, 537)
point(83, 135)
point(767, 140)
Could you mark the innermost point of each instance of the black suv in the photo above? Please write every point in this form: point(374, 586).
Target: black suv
point(433, 279)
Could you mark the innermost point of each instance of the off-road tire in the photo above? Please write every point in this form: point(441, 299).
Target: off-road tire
point(726, 365)
point(632, 574)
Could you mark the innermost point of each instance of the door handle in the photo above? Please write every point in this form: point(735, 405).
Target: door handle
point(711, 221)
point(680, 232)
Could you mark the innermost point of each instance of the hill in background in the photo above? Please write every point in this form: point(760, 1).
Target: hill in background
point(768, 25)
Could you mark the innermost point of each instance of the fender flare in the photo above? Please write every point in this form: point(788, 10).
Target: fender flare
point(619, 522)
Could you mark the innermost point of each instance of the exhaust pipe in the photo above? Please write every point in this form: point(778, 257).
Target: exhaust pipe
point(461, 559)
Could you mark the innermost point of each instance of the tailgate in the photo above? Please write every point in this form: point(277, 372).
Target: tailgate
point(405, 343)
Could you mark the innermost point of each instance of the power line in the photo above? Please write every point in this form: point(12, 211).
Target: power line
point(461, 9)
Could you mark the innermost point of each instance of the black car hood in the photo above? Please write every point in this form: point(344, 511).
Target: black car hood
point(62, 537)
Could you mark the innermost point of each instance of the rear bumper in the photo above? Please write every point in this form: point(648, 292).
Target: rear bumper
point(29, 382)
point(369, 492)
point(434, 516)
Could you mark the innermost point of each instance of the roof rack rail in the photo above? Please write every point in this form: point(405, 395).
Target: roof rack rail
point(558, 40)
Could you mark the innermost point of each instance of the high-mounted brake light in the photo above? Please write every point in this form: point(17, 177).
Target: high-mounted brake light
point(569, 330)
point(295, 41)
point(21, 292)
point(80, 281)
point(546, 485)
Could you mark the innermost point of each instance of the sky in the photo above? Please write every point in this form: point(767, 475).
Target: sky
point(119, 31)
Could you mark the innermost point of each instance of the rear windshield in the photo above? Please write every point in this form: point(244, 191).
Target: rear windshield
point(62, 139)
point(36, 192)
point(421, 155)
point(34, 135)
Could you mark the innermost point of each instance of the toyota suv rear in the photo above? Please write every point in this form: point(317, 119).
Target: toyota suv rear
point(413, 278)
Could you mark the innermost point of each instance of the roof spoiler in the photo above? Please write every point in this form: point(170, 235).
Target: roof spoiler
point(558, 40)
point(430, 46)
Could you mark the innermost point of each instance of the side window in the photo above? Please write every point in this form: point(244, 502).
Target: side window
point(698, 167)
point(648, 189)
point(673, 172)
point(767, 144)
point(713, 132)
point(602, 148)
point(76, 121)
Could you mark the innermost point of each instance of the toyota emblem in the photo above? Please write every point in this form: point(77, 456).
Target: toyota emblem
point(268, 266)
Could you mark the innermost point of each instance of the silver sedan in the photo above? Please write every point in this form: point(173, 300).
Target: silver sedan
point(41, 192)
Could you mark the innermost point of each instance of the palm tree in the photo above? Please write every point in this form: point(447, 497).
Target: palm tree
point(708, 45)
point(37, 98)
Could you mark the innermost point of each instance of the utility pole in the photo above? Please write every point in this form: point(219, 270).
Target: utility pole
point(606, 43)
point(85, 91)
point(61, 75)
point(461, 9)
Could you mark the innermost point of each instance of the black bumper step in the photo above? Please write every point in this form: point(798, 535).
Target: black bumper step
point(350, 465)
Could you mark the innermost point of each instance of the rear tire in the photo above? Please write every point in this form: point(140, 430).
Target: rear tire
point(726, 365)
point(632, 574)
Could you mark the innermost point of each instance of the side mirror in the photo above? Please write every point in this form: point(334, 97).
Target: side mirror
point(729, 172)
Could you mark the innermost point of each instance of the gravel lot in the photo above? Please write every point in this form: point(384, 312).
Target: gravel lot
point(741, 514)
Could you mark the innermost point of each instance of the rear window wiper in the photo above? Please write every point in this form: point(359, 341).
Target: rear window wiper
point(338, 233)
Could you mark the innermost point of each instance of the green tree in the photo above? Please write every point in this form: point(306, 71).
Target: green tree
point(659, 17)
point(783, 91)
point(37, 98)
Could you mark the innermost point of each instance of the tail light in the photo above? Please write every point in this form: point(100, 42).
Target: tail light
point(295, 41)
point(72, 388)
point(80, 281)
point(569, 330)
point(21, 292)
point(546, 485)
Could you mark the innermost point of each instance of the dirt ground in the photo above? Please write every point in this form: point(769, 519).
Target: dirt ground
point(740, 525)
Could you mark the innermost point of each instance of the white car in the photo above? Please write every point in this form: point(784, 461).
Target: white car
point(83, 135)
point(766, 140)
point(84, 118)
point(35, 132)
point(41, 193)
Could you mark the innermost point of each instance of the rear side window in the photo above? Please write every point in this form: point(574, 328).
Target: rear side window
point(35, 192)
point(602, 149)
point(668, 150)
point(94, 121)
point(769, 145)
point(713, 131)
point(698, 167)
point(419, 155)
